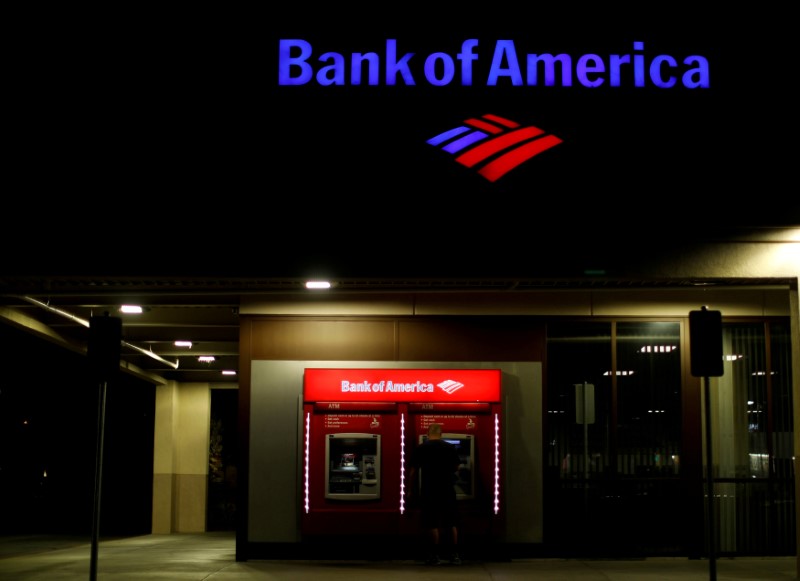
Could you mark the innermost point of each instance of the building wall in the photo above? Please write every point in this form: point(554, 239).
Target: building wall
point(281, 335)
point(294, 335)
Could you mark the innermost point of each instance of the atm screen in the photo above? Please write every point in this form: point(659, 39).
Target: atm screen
point(353, 466)
point(465, 475)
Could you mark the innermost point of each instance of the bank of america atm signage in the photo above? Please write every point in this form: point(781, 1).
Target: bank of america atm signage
point(398, 385)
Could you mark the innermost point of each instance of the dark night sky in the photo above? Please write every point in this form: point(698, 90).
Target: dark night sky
point(134, 129)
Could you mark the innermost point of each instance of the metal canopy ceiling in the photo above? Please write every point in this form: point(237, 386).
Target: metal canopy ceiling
point(205, 310)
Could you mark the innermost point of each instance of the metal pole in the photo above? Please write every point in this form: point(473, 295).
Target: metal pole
point(98, 478)
point(712, 562)
point(585, 441)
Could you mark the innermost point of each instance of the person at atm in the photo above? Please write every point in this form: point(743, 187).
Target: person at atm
point(437, 461)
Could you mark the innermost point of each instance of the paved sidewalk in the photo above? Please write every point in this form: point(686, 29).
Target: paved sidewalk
point(211, 557)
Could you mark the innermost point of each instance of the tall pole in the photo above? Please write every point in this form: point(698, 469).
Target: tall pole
point(712, 560)
point(98, 477)
point(105, 339)
point(585, 440)
point(705, 346)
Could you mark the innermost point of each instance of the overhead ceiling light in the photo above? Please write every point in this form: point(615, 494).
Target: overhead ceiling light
point(183, 344)
point(206, 358)
point(131, 309)
point(658, 349)
point(318, 284)
point(228, 372)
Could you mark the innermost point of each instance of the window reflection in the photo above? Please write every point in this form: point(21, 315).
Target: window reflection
point(579, 355)
point(648, 398)
point(740, 404)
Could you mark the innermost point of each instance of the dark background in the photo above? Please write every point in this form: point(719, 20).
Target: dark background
point(49, 410)
point(133, 129)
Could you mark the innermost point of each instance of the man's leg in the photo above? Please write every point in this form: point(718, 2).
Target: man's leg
point(455, 559)
point(433, 536)
point(434, 519)
point(433, 549)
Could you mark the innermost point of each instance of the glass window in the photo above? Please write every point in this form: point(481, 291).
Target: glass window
point(751, 415)
point(781, 378)
point(578, 357)
point(648, 377)
point(740, 412)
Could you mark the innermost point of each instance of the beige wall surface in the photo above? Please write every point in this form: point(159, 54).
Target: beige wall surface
point(180, 461)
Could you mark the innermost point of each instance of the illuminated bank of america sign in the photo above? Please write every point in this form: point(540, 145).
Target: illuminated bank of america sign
point(299, 64)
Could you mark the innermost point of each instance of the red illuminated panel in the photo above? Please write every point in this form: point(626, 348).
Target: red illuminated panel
point(355, 406)
point(457, 408)
point(408, 385)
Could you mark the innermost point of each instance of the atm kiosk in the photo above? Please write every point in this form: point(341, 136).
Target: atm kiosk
point(349, 485)
point(359, 428)
point(474, 428)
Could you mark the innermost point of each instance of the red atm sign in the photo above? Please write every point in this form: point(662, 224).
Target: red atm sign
point(417, 385)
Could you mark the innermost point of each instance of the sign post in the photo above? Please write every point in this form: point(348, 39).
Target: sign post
point(105, 339)
point(705, 337)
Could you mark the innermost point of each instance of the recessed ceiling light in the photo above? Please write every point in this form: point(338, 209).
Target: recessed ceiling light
point(183, 344)
point(228, 372)
point(131, 309)
point(318, 284)
point(206, 358)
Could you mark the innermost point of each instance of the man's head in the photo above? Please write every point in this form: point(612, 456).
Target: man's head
point(435, 431)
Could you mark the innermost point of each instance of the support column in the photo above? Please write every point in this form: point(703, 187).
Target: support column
point(180, 459)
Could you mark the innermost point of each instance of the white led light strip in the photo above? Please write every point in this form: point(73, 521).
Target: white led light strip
point(402, 463)
point(496, 464)
point(308, 439)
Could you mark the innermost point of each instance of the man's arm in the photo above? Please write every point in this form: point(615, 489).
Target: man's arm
point(457, 460)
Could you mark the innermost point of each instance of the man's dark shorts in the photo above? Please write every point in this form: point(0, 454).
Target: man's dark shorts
point(439, 512)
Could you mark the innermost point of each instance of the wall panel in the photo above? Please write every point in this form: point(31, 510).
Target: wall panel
point(476, 338)
point(293, 339)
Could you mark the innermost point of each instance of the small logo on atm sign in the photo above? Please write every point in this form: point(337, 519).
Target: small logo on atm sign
point(450, 386)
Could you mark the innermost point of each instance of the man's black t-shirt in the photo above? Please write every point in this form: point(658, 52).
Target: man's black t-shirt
point(437, 461)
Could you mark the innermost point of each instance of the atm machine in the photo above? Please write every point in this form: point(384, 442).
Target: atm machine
point(349, 485)
point(359, 428)
point(353, 466)
point(464, 478)
point(474, 429)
